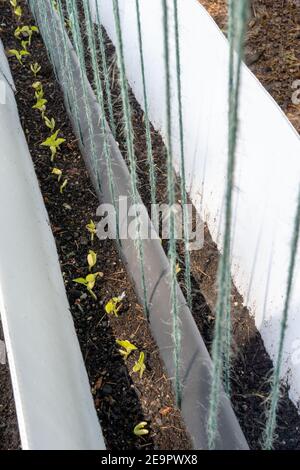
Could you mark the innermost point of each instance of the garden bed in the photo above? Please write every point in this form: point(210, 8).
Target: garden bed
point(272, 47)
point(121, 398)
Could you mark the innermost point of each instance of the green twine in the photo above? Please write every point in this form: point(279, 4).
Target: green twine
point(231, 146)
point(150, 158)
point(171, 196)
point(268, 437)
point(238, 19)
point(71, 84)
point(78, 43)
point(130, 143)
point(105, 72)
point(47, 35)
point(100, 98)
point(187, 257)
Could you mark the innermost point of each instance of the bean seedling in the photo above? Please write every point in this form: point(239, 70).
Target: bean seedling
point(63, 186)
point(91, 259)
point(140, 430)
point(57, 172)
point(89, 282)
point(35, 68)
point(39, 94)
point(50, 123)
point(18, 54)
point(16, 8)
point(114, 305)
point(139, 366)
point(53, 142)
point(41, 106)
point(91, 227)
point(26, 31)
point(127, 346)
point(24, 45)
point(37, 86)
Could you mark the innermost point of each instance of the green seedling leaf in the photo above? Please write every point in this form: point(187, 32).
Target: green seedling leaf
point(114, 305)
point(140, 430)
point(37, 86)
point(18, 54)
point(50, 123)
point(89, 282)
point(18, 12)
point(91, 227)
point(35, 68)
point(54, 143)
point(91, 259)
point(63, 186)
point(127, 347)
point(57, 172)
point(24, 44)
point(26, 31)
point(139, 366)
point(39, 95)
point(40, 105)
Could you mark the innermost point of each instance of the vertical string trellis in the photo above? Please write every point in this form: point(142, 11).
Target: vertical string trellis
point(78, 44)
point(237, 20)
point(187, 257)
point(100, 98)
point(105, 71)
point(70, 85)
point(269, 431)
point(171, 197)
point(130, 144)
point(150, 158)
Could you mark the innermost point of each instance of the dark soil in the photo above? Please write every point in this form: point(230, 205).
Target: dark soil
point(272, 46)
point(9, 433)
point(121, 398)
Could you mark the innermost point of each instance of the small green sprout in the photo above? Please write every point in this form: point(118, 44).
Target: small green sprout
point(24, 45)
point(35, 69)
point(26, 31)
point(50, 123)
point(140, 430)
point(63, 186)
point(91, 227)
point(139, 366)
point(114, 305)
point(40, 105)
point(91, 259)
point(127, 346)
point(18, 54)
point(18, 12)
point(53, 142)
point(39, 94)
point(89, 282)
point(37, 86)
point(13, 3)
point(57, 172)
point(178, 268)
